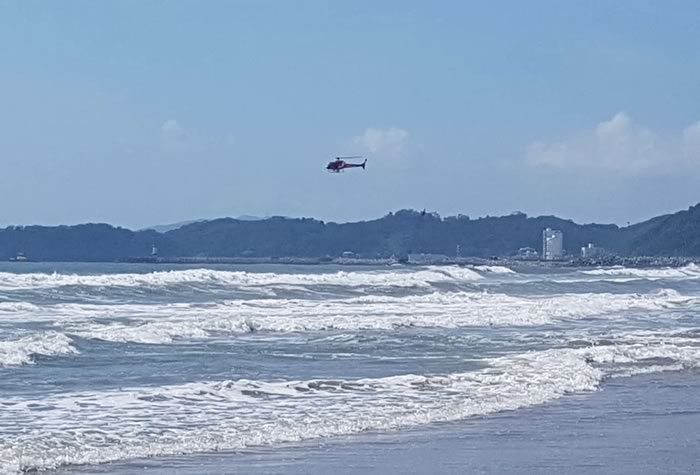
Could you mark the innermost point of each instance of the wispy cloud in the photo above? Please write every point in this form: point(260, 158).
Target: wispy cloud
point(391, 141)
point(172, 135)
point(619, 145)
point(691, 141)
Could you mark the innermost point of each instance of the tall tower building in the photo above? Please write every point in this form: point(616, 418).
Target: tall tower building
point(552, 244)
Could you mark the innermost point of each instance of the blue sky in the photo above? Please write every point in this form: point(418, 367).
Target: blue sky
point(145, 112)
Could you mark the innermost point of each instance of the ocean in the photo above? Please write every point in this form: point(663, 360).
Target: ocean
point(121, 368)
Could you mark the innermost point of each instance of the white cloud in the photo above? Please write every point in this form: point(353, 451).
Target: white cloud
point(172, 134)
point(619, 145)
point(691, 141)
point(391, 141)
point(172, 128)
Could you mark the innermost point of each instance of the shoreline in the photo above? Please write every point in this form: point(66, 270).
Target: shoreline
point(640, 424)
point(629, 262)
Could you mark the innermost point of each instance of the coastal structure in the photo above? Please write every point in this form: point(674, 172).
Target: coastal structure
point(427, 259)
point(527, 253)
point(589, 251)
point(20, 257)
point(552, 244)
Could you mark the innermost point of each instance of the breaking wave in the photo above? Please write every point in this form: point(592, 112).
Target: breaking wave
point(159, 324)
point(495, 269)
point(215, 278)
point(17, 307)
point(22, 351)
point(691, 271)
point(103, 426)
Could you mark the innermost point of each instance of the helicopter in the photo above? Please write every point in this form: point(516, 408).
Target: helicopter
point(339, 164)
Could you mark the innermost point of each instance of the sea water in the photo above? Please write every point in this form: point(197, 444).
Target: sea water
point(107, 367)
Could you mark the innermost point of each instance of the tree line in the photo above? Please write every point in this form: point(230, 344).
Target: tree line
point(398, 234)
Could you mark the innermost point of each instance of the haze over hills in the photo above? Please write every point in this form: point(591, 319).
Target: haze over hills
point(399, 233)
point(164, 228)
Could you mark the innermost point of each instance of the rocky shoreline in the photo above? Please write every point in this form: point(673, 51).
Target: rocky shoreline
point(640, 261)
point(606, 261)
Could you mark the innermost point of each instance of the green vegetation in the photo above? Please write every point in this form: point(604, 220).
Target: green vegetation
point(398, 234)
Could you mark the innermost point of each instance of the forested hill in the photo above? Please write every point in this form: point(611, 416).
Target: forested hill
point(397, 234)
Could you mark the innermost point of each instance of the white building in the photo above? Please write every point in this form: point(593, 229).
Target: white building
point(552, 244)
point(527, 253)
point(590, 251)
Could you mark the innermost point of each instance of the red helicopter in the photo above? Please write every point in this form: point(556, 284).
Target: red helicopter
point(339, 164)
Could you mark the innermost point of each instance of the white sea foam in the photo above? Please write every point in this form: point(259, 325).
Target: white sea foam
point(691, 271)
point(96, 427)
point(163, 323)
point(17, 307)
point(439, 310)
point(422, 277)
point(495, 269)
point(22, 351)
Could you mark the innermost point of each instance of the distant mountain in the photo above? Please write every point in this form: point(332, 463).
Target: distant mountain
point(84, 242)
point(675, 234)
point(164, 228)
point(400, 233)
